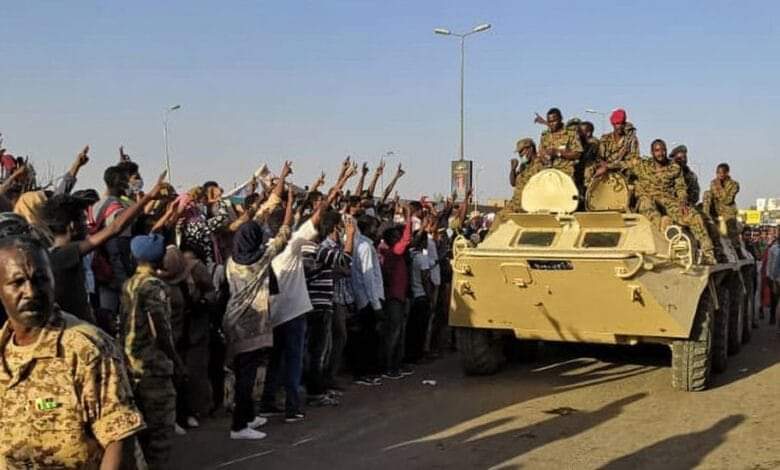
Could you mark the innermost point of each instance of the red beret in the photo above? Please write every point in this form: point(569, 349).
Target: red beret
point(618, 116)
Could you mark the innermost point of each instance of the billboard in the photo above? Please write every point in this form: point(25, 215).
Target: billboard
point(761, 204)
point(751, 217)
point(460, 177)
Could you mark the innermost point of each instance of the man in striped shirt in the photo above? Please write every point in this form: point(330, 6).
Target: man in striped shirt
point(320, 263)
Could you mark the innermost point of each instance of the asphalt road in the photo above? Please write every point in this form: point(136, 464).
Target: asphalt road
point(572, 406)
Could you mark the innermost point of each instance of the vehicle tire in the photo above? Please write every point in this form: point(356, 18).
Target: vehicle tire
point(692, 358)
point(736, 316)
point(720, 338)
point(481, 350)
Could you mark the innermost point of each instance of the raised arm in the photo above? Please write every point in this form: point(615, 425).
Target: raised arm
point(363, 173)
point(389, 189)
point(121, 222)
point(347, 172)
point(377, 173)
point(69, 179)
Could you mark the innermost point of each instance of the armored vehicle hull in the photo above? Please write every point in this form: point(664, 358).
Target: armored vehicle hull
point(598, 277)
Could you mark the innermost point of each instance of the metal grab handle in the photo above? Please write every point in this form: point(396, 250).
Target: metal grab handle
point(624, 273)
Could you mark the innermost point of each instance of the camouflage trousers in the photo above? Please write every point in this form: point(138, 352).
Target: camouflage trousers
point(156, 398)
point(651, 207)
point(729, 219)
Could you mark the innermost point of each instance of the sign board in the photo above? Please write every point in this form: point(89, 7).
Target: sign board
point(773, 204)
point(761, 204)
point(460, 177)
point(751, 217)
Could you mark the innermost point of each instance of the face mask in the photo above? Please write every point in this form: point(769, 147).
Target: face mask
point(136, 186)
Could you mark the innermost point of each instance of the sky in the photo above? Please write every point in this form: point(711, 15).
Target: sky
point(314, 81)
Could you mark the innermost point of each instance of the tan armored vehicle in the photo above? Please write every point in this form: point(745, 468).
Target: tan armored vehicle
point(600, 276)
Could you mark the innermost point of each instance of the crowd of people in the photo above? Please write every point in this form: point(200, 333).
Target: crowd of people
point(133, 314)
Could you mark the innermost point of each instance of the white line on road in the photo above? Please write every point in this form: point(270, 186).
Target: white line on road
point(252, 456)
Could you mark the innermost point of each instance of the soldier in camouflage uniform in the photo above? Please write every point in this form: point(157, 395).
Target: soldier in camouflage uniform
point(660, 186)
point(619, 145)
point(65, 399)
point(559, 147)
point(680, 156)
point(590, 153)
point(526, 150)
point(722, 201)
point(148, 343)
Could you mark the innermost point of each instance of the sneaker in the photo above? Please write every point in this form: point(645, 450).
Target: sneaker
point(294, 417)
point(323, 400)
point(392, 375)
point(406, 371)
point(267, 411)
point(376, 379)
point(180, 431)
point(257, 422)
point(247, 434)
point(335, 393)
point(192, 422)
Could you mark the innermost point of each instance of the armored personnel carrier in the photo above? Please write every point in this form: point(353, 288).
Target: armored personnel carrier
point(603, 275)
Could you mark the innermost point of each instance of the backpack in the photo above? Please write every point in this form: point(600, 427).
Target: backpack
point(101, 266)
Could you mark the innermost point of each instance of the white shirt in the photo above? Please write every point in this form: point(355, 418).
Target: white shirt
point(420, 263)
point(292, 300)
point(367, 284)
point(433, 257)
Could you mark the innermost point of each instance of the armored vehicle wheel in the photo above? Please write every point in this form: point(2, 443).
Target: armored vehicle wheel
point(736, 317)
point(481, 350)
point(720, 340)
point(692, 358)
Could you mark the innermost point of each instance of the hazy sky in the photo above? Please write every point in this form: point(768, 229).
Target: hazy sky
point(315, 81)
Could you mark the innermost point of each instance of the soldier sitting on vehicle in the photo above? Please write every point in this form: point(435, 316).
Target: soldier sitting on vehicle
point(619, 145)
point(720, 201)
point(661, 190)
point(680, 156)
point(559, 147)
point(529, 165)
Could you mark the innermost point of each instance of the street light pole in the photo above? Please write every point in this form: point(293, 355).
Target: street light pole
point(603, 117)
point(462, 36)
point(168, 111)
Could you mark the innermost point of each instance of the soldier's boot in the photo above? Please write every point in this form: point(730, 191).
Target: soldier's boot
point(708, 257)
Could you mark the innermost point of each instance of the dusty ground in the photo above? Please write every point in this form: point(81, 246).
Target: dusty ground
point(572, 407)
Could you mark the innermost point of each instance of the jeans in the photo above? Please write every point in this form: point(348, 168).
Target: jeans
point(245, 368)
point(392, 329)
point(363, 341)
point(417, 329)
point(318, 334)
point(338, 332)
point(286, 363)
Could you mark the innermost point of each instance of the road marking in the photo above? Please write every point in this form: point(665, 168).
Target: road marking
point(252, 456)
point(302, 441)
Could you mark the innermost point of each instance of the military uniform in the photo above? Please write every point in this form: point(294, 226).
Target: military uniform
point(530, 169)
point(564, 140)
point(145, 321)
point(612, 146)
point(588, 162)
point(692, 185)
point(64, 398)
point(723, 202)
point(663, 188)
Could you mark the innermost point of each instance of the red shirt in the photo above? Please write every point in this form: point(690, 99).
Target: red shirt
point(394, 270)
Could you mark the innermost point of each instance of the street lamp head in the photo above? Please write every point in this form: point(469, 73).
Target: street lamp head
point(482, 27)
point(442, 31)
point(174, 107)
